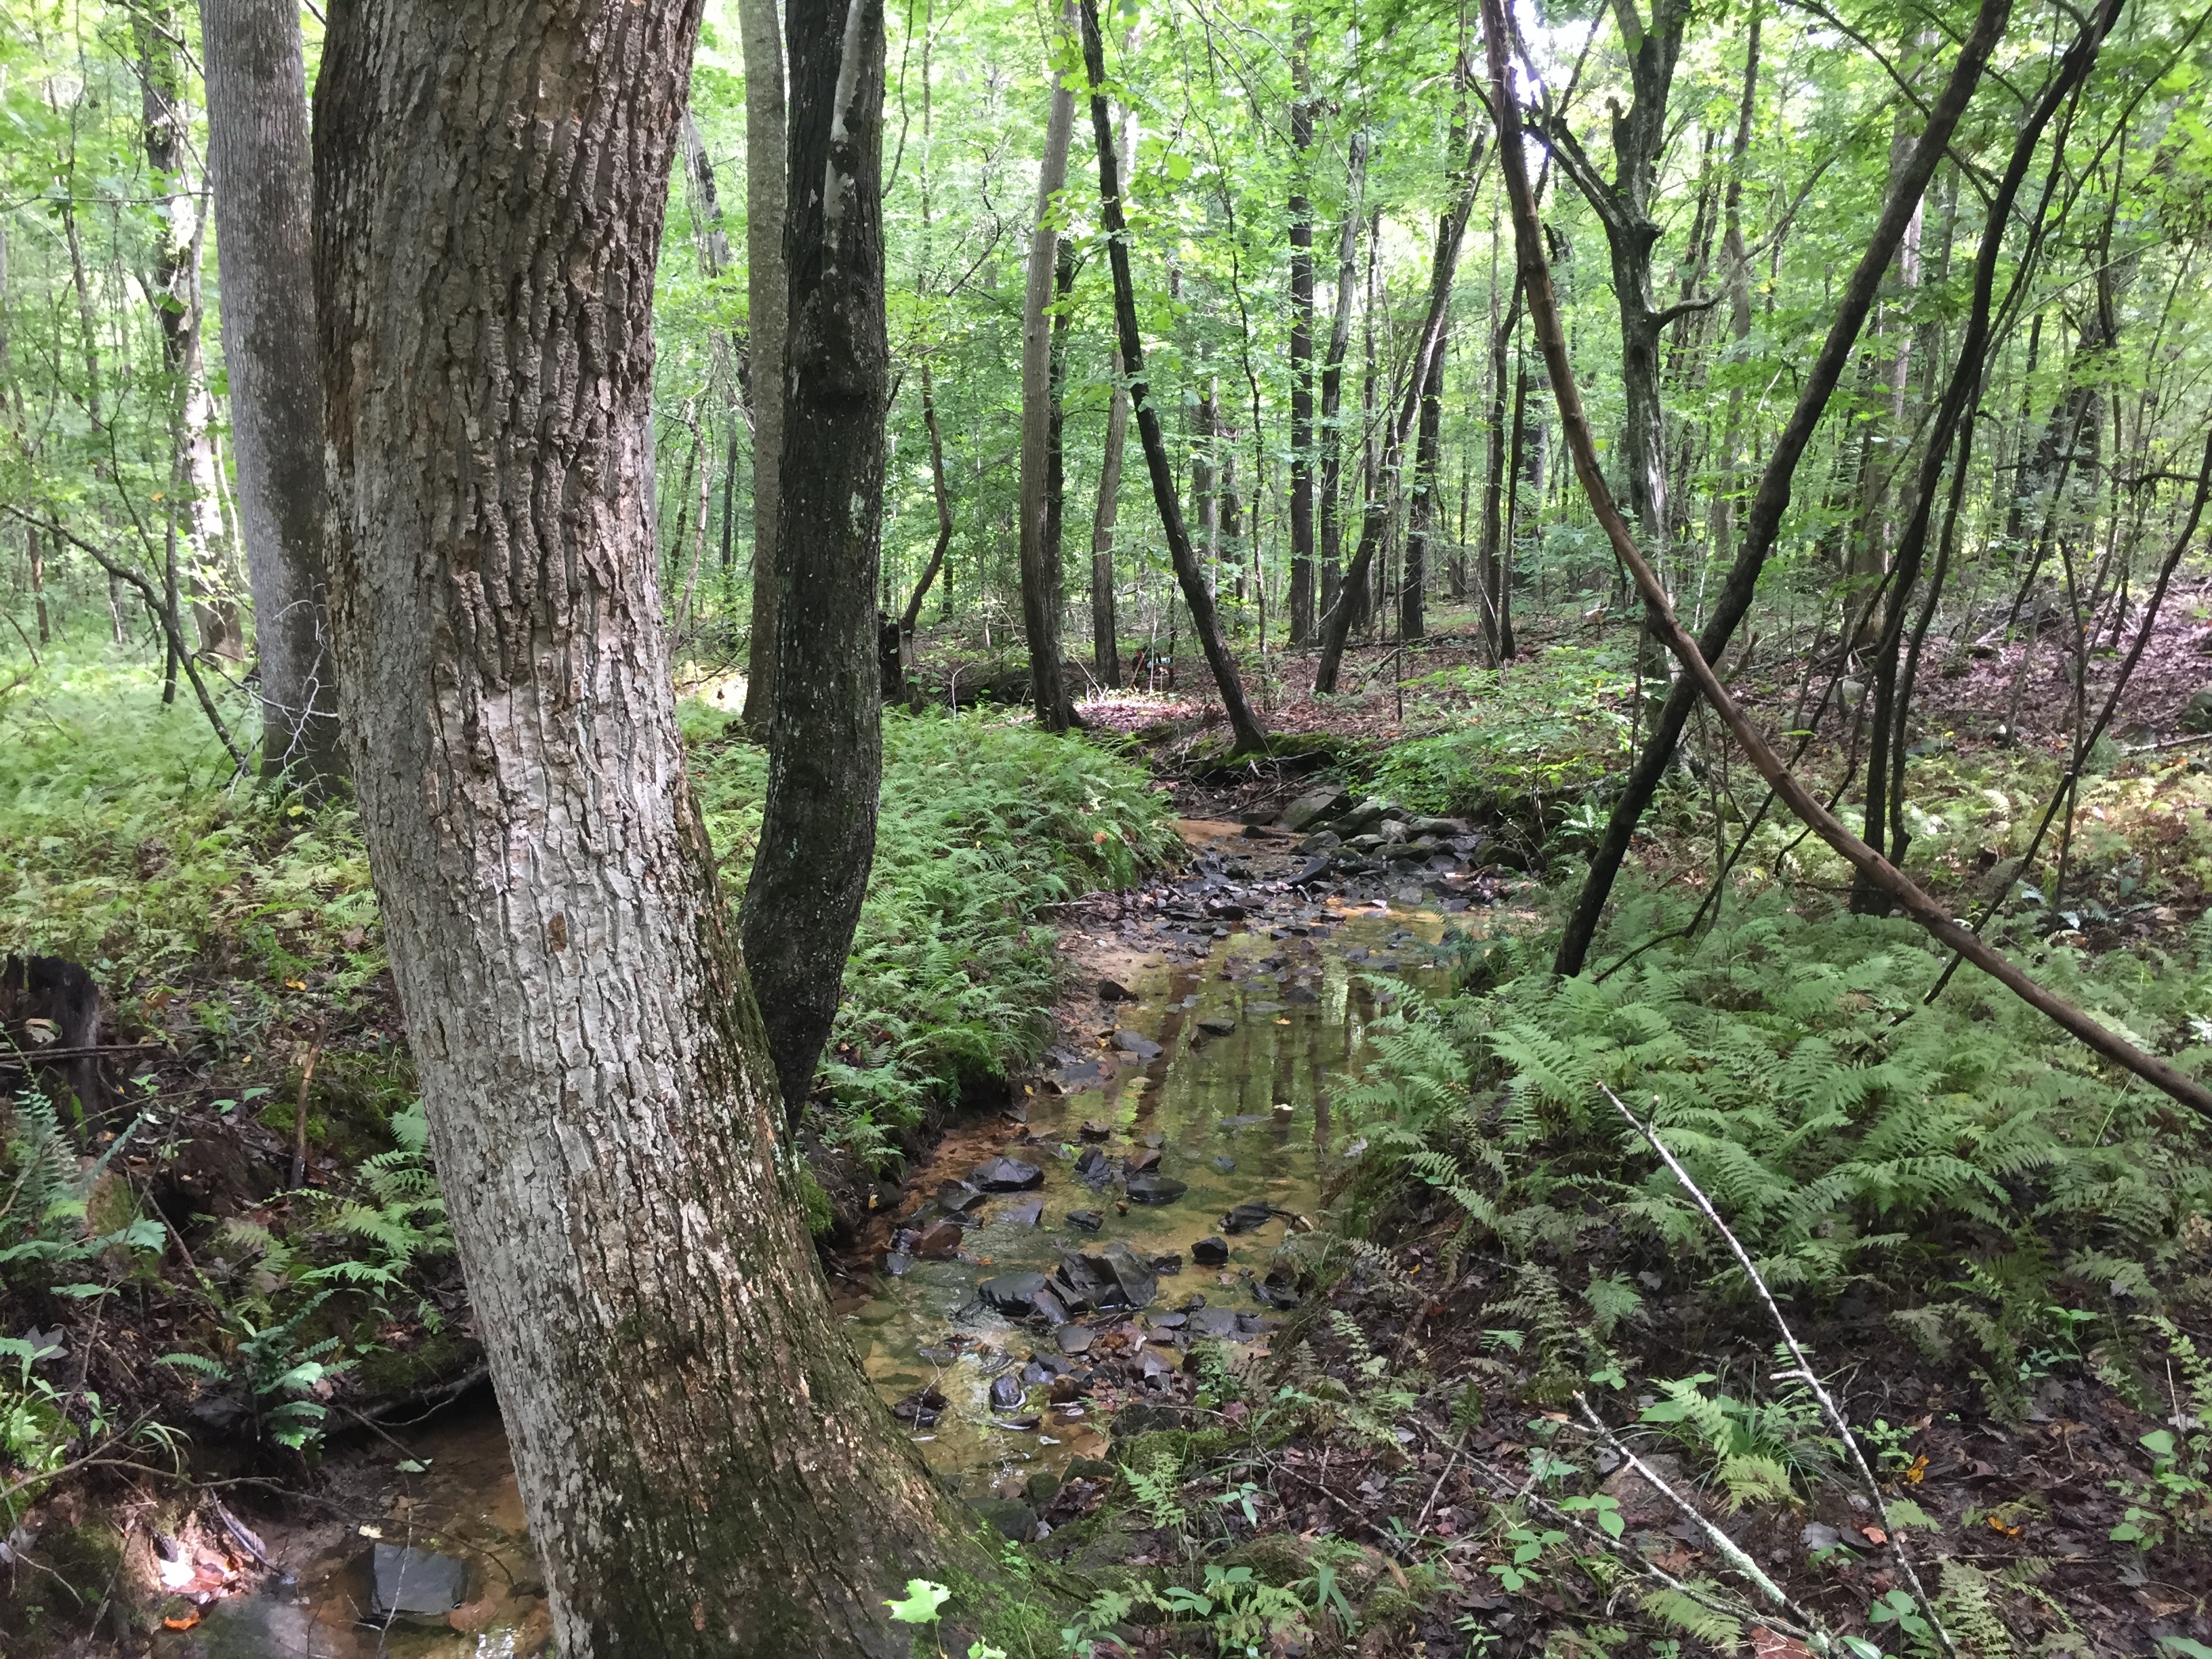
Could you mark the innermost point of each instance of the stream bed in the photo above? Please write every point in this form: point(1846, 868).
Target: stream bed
point(1151, 1179)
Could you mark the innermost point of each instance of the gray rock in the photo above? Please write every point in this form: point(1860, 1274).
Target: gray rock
point(417, 1584)
point(1137, 1044)
point(2197, 712)
point(1438, 826)
point(1041, 1487)
point(1218, 1025)
point(1314, 805)
point(958, 1196)
point(1210, 1252)
point(1389, 832)
point(1025, 1215)
point(1115, 1277)
point(1006, 1391)
point(1076, 1339)
point(1089, 1220)
point(1005, 1175)
point(1359, 819)
point(1012, 1294)
point(1155, 1190)
point(1092, 1166)
point(1321, 840)
point(1011, 1519)
point(1247, 1217)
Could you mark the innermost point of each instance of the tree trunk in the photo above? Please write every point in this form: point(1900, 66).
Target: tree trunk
point(1421, 508)
point(1105, 650)
point(911, 619)
point(1301, 336)
point(767, 303)
point(1428, 347)
point(1490, 588)
point(1764, 523)
point(825, 752)
point(173, 286)
point(1332, 373)
point(1242, 723)
point(257, 94)
point(1040, 563)
point(704, 1468)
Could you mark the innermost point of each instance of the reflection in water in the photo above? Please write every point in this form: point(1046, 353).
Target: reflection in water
point(1235, 1101)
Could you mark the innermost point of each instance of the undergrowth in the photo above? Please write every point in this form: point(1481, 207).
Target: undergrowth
point(1964, 1168)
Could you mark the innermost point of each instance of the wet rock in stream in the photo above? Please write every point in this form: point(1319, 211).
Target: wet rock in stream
point(957, 1196)
point(1005, 1175)
point(1155, 1190)
point(414, 1584)
point(1110, 1278)
point(1210, 1253)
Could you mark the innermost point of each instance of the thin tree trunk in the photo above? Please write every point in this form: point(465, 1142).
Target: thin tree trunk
point(825, 749)
point(1041, 596)
point(1428, 345)
point(1739, 278)
point(1421, 508)
point(1763, 522)
point(1302, 336)
point(257, 93)
point(1332, 371)
point(1248, 738)
point(942, 494)
point(1504, 567)
point(175, 290)
point(1543, 309)
point(1105, 649)
point(705, 1469)
point(1490, 588)
point(767, 304)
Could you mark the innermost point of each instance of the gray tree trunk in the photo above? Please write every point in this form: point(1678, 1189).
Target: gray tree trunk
point(257, 95)
point(1105, 651)
point(1302, 335)
point(825, 752)
point(767, 300)
point(1042, 587)
point(705, 1469)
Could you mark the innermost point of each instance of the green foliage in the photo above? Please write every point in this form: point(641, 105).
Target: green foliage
point(1756, 1446)
point(983, 822)
point(47, 1240)
point(1967, 1156)
point(1517, 742)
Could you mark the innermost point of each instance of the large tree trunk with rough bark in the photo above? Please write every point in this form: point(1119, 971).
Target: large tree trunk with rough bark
point(257, 94)
point(767, 304)
point(1040, 563)
point(825, 754)
point(705, 1469)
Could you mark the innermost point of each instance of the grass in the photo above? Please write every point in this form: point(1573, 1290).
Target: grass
point(126, 844)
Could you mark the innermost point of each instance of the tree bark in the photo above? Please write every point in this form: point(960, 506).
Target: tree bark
point(1302, 336)
point(1041, 594)
point(1332, 371)
point(1489, 584)
point(942, 495)
point(1105, 649)
point(179, 309)
point(1421, 507)
point(1248, 738)
point(1543, 310)
point(264, 187)
point(825, 749)
point(1428, 345)
point(767, 304)
point(1763, 522)
point(705, 1469)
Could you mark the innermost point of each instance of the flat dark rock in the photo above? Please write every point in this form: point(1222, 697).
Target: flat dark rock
point(1076, 1339)
point(896, 1263)
point(1025, 1215)
point(1210, 1252)
point(1156, 1189)
point(1143, 1161)
point(1218, 1025)
point(417, 1583)
point(1223, 1162)
point(1137, 1044)
point(1247, 1217)
point(1011, 1293)
point(958, 1196)
point(1011, 1519)
point(1219, 1323)
point(1005, 1175)
point(1089, 1220)
point(1092, 1166)
point(1114, 1277)
point(1006, 1391)
point(1301, 994)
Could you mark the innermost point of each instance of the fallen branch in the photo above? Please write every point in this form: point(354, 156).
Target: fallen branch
point(1830, 1412)
point(1879, 872)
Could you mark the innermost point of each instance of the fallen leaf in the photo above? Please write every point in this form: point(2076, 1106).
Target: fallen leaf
point(1874, 1535)
point(185, 1623)
point(1918, 1472)
point(2003, 1531)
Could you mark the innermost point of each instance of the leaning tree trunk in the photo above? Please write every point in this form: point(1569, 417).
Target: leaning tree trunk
point(825, 757)
point(1040, 563)
point(1242, 723)
point(258, 162)
point(1763, 523)
point(767, 303)
point(705, 1469)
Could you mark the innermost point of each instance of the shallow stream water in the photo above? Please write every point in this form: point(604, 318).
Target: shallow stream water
point(1225, 1066)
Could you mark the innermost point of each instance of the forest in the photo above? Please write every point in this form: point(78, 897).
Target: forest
point(1120, 830)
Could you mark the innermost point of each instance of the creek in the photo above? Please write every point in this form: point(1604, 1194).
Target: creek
point(1221, 1058)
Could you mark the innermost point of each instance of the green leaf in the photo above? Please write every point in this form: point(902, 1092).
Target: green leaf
point(923, 1602)
point(1178, 167)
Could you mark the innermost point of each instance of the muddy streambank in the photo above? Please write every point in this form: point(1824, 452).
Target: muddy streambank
point(1181, 1129)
